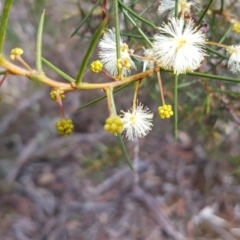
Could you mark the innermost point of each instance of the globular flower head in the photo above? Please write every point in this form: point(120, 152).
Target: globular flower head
point(55, 92)
point(184, 6)
point(137, 122)
point(64, 126)
point(15, 52)
point(113, 125)
point(236, 27)
point(108, 54)
point(165, 111)
point(179, 46)
point(234, 59)
point(96, 66)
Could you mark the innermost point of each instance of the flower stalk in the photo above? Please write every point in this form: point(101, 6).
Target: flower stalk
point(4, 78)
point(160, 87)
point(135, 95)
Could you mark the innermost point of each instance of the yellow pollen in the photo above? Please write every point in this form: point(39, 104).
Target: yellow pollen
point(181, 42)
point(124, 47)
point(133, 119)
point(184, 6)
point(15, 52)
point(236, 27)
point(232, 49)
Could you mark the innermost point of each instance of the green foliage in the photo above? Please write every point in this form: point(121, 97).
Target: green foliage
point(92, 45)
point(4, 22)
point(86, 18)
point(39, 43)
point(197, 95)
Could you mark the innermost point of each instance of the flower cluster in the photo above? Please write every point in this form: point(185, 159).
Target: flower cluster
point(137, 122)
point(53, 94)
point(179, 46)
point(96, 66)
point(114, 125)
point(236, 27)
point(64, 126)
point(16, 52)
point(165, 111)
point(108, 54)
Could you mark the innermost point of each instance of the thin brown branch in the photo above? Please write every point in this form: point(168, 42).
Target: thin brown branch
point(162, 220)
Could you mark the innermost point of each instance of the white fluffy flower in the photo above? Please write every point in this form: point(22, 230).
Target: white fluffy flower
point(108, 54)
point(137, 122)
point(184, 6)
point(179, 46)
point(234, 59)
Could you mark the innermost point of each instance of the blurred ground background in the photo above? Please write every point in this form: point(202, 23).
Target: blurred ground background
point(78, 187)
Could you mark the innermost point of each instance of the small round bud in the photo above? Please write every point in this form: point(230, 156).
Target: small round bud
point(124, 47)
point(54, 92)
point(113, 125)
point(96, 66)
point(127, 63)
point(64, 126)
point(165, 111)
point(236, 27)
point(119, 64)
point(16, 52)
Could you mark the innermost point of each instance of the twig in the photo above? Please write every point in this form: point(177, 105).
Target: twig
point(116, 178)
point(68, 142)
point(160, 217)
point(22, 106)
point(225, 101)
point(22, 159)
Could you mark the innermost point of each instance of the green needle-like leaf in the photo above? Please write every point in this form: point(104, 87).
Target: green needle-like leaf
point(204, 12)
point(125, 153)
point(39, 43)
point(4, 22)
point(134, 36)
point(90, 50)
point(216, 53)
point(117, 29)
point(57, 70)
point(209, 76)
point(85, 18)
point(176, 8)
point(101, 98)
point(136, 15)
point(135, 25)
point(226, 34)
point(150, 5)
point(187, 84)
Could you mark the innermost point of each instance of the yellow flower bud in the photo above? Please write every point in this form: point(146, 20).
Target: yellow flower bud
point(53, 94)
point(113, 125)
point(165, 111)
point(16, 52)
point(236, 27)
point(96, 66)
point(64, 126)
